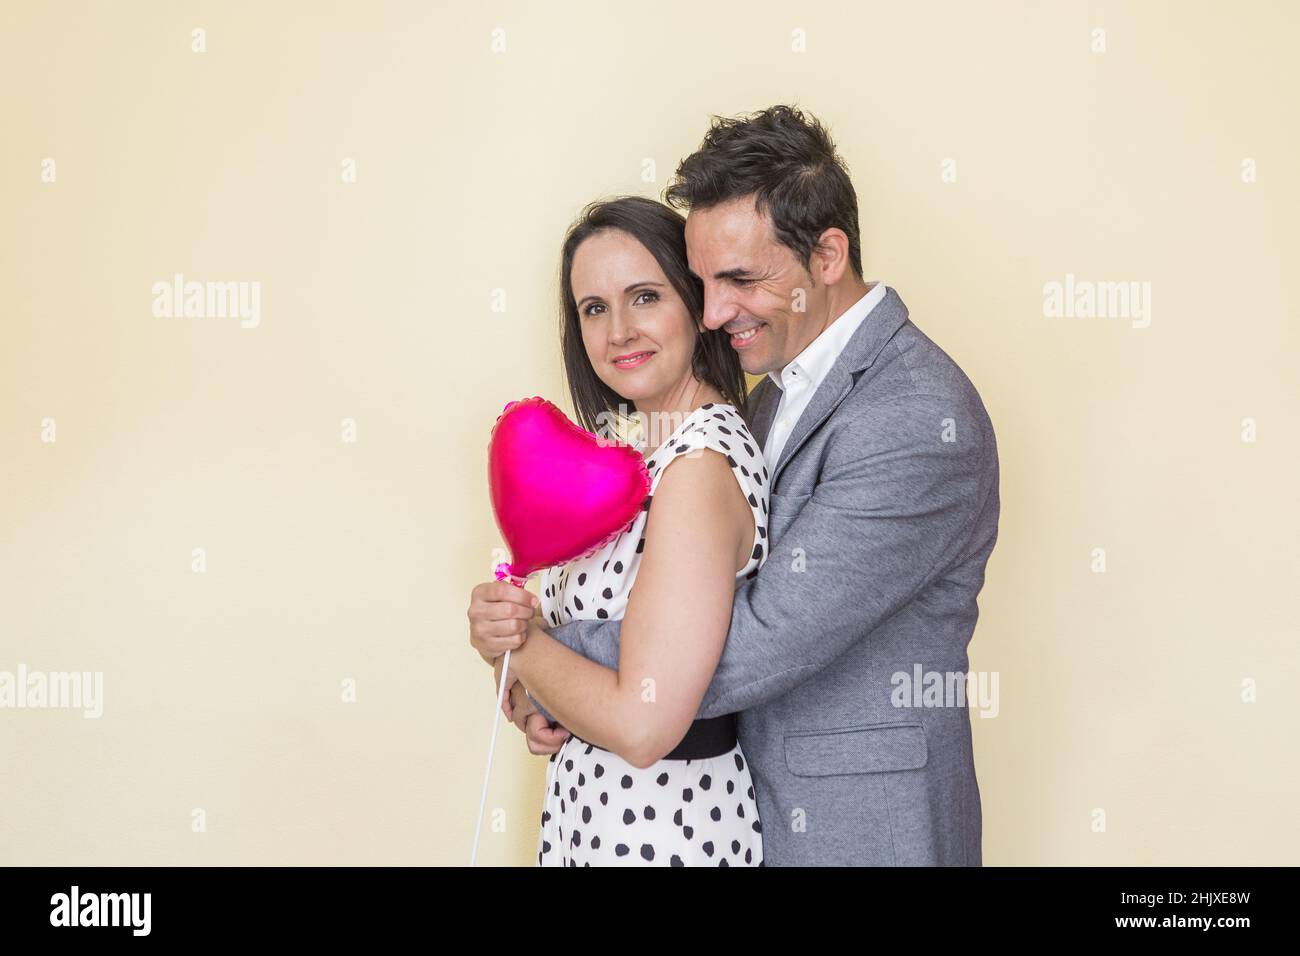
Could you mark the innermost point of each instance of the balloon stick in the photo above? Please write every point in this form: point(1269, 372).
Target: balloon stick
point(502, 574)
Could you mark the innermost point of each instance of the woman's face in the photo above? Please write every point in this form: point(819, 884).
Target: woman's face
point(637, 331)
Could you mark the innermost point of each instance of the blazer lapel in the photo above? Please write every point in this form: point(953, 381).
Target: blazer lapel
point(861, 351)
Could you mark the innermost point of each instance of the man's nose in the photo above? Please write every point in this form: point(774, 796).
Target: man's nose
point(719, 309)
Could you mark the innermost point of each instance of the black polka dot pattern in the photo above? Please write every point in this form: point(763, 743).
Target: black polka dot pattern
point(654, 816)
point(599, 810)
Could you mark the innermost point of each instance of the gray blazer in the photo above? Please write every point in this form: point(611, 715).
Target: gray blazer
point(884, 509)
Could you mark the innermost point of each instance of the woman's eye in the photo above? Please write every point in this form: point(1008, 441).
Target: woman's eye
point(647, 296)
point(591, 309)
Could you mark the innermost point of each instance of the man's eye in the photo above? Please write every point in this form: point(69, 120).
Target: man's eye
point(647, 296)
point(743, 282)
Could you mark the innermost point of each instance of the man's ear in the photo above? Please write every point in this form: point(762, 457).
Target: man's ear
point(830, 258)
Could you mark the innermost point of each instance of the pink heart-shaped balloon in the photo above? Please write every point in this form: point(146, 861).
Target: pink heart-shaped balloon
point(558, 492)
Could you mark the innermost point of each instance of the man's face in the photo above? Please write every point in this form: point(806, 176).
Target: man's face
point(754, 287)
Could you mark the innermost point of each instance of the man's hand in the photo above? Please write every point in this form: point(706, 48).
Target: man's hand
point(518, 705)
point(519, 710)
point(542, 738)
point(515, 704)
point(498, 616)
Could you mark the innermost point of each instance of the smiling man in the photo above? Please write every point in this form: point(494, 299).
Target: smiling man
point(883, 512)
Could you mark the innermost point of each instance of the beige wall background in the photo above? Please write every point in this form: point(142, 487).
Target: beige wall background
point(1159, 693)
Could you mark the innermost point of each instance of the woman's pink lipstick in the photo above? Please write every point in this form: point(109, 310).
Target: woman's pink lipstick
point(634, 359)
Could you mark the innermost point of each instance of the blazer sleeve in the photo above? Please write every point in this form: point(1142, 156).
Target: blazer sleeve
point(894, 505)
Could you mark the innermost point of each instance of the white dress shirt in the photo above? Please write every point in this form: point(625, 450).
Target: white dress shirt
point(799, 380)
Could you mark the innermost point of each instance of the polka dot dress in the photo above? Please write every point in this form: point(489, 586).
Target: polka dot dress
point(599, 810)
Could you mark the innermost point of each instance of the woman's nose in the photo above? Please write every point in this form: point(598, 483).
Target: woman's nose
point(620, 328)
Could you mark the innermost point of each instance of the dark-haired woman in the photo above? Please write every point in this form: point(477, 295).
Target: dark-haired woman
point(640, 781)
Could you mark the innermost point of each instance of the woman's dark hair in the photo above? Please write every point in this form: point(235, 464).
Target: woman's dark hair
point(787, 161)
point(663, 233)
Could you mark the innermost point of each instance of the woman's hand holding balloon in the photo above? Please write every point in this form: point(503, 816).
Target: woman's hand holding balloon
point(499, 614)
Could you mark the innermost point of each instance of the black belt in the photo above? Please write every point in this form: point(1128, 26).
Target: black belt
point(710, 737)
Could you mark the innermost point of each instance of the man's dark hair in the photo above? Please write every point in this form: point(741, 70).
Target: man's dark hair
point(787, 161)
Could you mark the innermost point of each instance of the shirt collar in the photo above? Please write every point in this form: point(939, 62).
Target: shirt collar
point(815, 361)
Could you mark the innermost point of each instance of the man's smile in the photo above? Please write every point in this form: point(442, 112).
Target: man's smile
point(743, 332)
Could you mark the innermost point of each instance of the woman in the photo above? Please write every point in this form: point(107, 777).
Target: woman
point(639, 781)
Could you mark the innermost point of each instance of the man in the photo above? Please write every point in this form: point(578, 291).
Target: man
point(883, 512)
